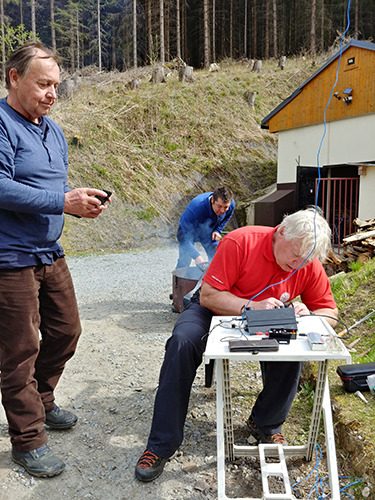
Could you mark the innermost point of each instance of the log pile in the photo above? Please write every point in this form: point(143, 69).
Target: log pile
point(356, 247)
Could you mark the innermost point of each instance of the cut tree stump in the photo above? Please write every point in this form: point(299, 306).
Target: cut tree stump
point(282, 62)
point(186, 74)
point(250, 97)
point(158, 75)
point(258, 66)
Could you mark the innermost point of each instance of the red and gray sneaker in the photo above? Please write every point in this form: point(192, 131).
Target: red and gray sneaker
point(261, 437)
point(149, 466)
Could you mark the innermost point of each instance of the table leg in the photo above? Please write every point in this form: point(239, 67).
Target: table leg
point(330, 444)
point(220, 430)
point(228, 423)
point(322, 401)
point(317, 408)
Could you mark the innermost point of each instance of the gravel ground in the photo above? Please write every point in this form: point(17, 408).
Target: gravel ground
point(110, 383)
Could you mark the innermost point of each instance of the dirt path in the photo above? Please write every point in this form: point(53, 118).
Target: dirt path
point(110, 383)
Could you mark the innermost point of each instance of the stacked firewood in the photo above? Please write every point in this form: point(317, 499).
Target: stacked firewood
point(358, 246)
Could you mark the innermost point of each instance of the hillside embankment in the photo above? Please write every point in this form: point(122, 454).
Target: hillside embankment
point(159, 145)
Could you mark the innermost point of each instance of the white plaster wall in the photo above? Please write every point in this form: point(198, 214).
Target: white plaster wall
point(349, 140)
point(366, 209)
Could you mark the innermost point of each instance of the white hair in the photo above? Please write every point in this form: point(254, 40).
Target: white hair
point(311, 229)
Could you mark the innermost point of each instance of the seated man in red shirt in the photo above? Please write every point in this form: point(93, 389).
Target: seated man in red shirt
point(254, 266)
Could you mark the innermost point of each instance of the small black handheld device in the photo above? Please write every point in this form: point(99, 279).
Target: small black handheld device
point(104, 199)
point(253, 346)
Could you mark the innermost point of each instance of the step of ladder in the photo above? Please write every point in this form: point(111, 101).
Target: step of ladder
point(274, 469)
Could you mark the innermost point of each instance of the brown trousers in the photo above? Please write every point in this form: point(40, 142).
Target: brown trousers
point(32, 300)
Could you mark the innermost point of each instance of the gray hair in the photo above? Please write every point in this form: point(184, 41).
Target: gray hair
point(311, 228)
point(21, 58)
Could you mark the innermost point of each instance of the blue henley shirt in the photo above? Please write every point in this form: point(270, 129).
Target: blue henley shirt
point(33, 182)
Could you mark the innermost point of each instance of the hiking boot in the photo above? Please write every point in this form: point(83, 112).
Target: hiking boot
point(261, 437)
point(60, 419)
point(40, 462)
point(149, 466)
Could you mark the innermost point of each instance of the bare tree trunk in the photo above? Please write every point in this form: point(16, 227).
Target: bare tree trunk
point(99, 39)
point(149, 29)
point(2, 37)
point(114, 63)
point(78, 44)
point(21, 12)
point(162, 49)
point(213, 31)
point(135, 33)
point(178, 29)
point(322, 27)
point(245, 32)
point(184, 30)
point(52, 18)
point(274, 15)
point(356, 29)
point(313, 28)
point(267, 33)
point(223, 51)
point(166, 30)
point(206, 34)
point(71, 41)
point(231, 30)
point(254, 31)
point(33, 23)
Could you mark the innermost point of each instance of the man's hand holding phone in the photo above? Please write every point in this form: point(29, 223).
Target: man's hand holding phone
point(86, 202)
point(104, 199)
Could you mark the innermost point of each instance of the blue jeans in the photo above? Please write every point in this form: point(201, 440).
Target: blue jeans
point(184, 351)
point(184, 258)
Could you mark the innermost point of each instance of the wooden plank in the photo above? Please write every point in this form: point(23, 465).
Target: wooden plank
point(359, 236)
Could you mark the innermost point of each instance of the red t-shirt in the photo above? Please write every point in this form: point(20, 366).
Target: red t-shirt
point(244, 265)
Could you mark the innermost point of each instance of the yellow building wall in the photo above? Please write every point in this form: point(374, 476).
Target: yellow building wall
point(308, 107)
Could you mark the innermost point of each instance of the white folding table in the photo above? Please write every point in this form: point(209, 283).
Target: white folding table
point(225, 327)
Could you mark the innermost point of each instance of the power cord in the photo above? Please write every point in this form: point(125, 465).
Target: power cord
point(348, 334)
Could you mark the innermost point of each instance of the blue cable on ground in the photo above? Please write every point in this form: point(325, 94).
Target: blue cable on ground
point(319, 485)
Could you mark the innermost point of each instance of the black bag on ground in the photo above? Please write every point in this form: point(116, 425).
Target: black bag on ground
point(354, 377)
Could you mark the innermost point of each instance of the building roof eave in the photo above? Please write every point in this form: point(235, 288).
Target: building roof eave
point(352, 43)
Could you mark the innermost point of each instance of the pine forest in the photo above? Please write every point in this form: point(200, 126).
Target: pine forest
point(121, 34)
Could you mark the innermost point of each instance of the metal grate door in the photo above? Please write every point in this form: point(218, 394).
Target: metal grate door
point(338, 199)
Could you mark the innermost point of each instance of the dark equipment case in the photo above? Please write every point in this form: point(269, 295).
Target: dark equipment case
point(354, 377)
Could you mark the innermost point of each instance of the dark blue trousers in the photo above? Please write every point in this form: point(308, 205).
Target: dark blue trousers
point(184, 351)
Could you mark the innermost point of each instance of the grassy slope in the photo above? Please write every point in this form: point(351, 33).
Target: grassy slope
point(159, 145)
point(354, 419)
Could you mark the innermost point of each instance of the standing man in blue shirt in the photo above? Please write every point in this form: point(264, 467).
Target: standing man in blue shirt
point(36, 289)
point(203, 221)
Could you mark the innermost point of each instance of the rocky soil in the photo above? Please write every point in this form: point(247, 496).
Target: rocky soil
point(110, 383)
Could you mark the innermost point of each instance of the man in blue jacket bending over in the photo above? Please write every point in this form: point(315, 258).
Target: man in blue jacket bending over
point(203, 221)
